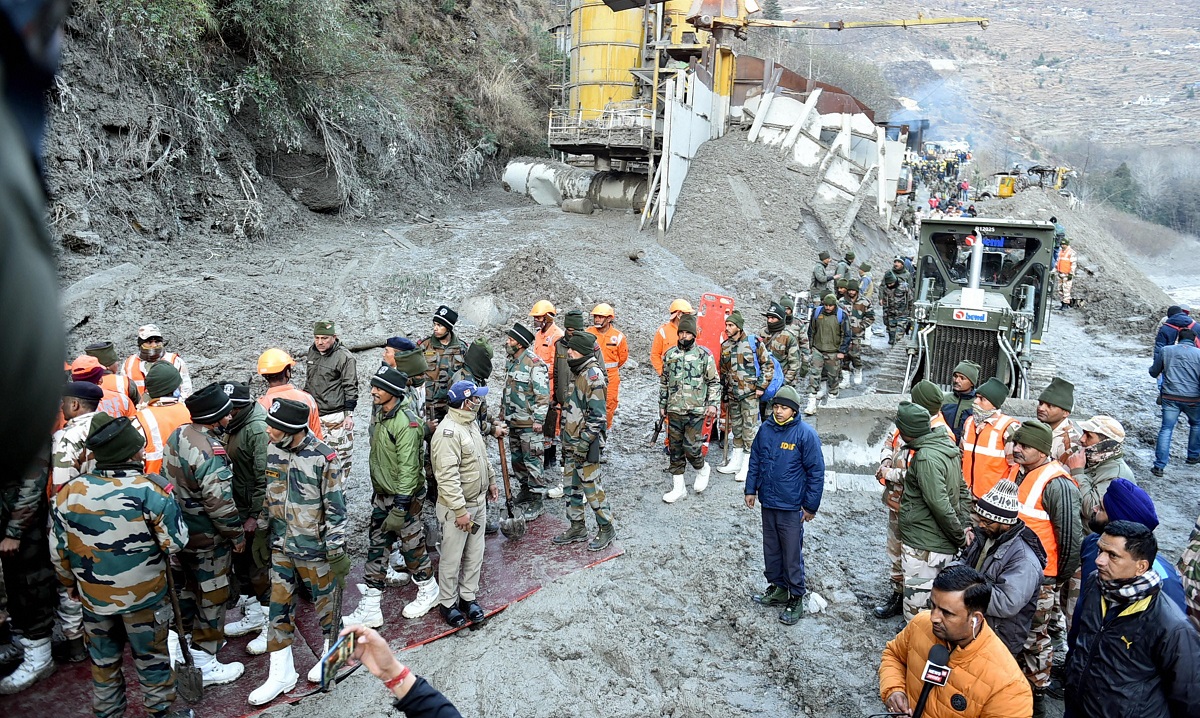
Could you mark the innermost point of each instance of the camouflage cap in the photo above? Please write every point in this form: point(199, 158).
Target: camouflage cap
point(324, 328)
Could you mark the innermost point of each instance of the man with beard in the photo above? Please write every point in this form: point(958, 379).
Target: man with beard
point(1054, 410)
point(151, 349)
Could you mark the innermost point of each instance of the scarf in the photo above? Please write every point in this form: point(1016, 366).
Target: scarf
point(981, 415)
point(1127, 590)
point(577, 364)
point(1102, 451)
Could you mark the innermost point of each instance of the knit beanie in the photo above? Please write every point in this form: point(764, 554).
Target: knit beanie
point(238, 393)
point(574, 319)
point(842, 283)
point(969, 369)
point(478, 359)
point(912, 420)
point(829, 300)
point(209, 405)
point(104, 352)
point(390, 380)
point(929, 395)
point(1035, 435)
point(889, 277)
point(853, 285)
point(775, 311)
point(1060, 393)
point(788, 397)
point(446, 316)
point(582, 342)
point(1126, 501)
point(113, 441)
point(823, 256)
point(849, 256)
point(994, 391)
point(162, 379)
point(413, 363)
point(687, 323)
point(864, 267)
point(1000, 504)
point(735, 318)
point(288, 415)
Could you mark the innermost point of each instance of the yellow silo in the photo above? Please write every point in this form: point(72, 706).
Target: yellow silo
point(676, 12)
point(604, 49)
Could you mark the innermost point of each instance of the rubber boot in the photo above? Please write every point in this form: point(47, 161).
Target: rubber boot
point(577, 532)
point(604, 537)
point(281, 678)
point(823, 391)
point(678, 491)
point(215, 672)
point(11, 654)
point(427, 595)
point(253, 619)
point(744, 471)
point(735, 462)
point(36, 665)
point(555, 491)
point(894, 606)
point(702, 478)
point(314, 673)
point(368, 612)
point(857, 377)
point(258, 646)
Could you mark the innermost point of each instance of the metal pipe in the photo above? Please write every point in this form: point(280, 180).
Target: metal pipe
point(976, 259)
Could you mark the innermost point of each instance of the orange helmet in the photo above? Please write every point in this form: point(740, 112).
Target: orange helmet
point(541, 308)
point(273, 361)
point(681, 305)
point(602, 310)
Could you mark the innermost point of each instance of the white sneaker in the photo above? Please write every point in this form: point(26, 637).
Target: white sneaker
point(253, 619)
point(368, 612)
point(258, 646)
point(812, 405)
point(216, 673)
point(701, 479)
point(427, 595)
point(281, 678)
point(845, 376)
point(555, 491)
point(857, 376)
point(678, 492)
point(735, 462)
point(394, 577)
point(744, 470)
point(36, 665)
point(314, 673)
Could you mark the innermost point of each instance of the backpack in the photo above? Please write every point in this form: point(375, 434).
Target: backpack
point(776, 378)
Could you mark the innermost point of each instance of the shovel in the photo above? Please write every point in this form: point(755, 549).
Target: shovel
point(189, 680)
point(512, 527)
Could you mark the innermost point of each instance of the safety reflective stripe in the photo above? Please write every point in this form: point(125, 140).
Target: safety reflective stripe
point(610, 365)
point(994, 435)
point(154, 441)
point(132, 368)
point(1034, 513)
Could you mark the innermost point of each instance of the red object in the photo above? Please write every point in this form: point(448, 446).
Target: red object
point(710, 320)
point(391, 685)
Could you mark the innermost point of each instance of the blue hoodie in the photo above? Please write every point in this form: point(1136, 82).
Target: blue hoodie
point(787, 470)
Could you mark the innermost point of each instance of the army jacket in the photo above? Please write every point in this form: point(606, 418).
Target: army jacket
point(444, 360)
point(486, 425)
point(526, 397)
point(69, 457)
point(786, 347)
point(827, 333)
point(332, 379)
point(860, 314)
point(396, 463)
point(196, 462)
point(23, 503)
point(563, 376)
point(246, 442)
point(896, 301)
point(113, 529)
point(585, 415)
point(737, 368)
point(822, 281)
point(460, 463)
point(689, 383)
point(305, 509)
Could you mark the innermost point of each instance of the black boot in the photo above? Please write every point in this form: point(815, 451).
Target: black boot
point(11, 654)
point(894, 606)
point(1039, 703)
point(72, 651)
point(551, 455)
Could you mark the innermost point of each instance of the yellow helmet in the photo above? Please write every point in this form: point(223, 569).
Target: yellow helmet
point(681, 305)
point(541, 308)
point(602, 310)
point(273, 361)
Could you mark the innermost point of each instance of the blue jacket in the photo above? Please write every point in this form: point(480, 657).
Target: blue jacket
point(1179, 366)
point(787, 470)
point(1168, 333)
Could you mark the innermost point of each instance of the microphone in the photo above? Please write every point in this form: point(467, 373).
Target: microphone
point(936, 673)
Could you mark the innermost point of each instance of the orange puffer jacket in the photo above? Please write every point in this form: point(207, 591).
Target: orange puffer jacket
point(985, 680)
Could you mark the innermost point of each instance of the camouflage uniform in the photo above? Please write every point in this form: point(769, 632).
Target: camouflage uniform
point(1036, 658)
point(585, 422)
point(444, 360)
point(563, 378)
point(23, 509)
point(893, 463)
point(1189, 571)
point(740, 383)
point(861, 316)
point(304, 514)
point(246, 442)
point(69, 458)
point(525, 401)
point(113, 528)
point(332, 379)
point(398, 480)
point(827, 343)
point(195, 461)
point(793, 355)
point(897, 308)
point(689, 385)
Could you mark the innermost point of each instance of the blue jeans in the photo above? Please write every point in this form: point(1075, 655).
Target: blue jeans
point(1170, 416)
point(783, 549)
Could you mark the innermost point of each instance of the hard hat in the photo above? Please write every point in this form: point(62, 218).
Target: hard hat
point(681, 305)
point(602, 310)
point(273, 361)
point(541, 308)
point(149, 331)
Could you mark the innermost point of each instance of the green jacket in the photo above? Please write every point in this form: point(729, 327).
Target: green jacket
point(1094, 481)
point(246, 441)
point(397, 440)
point(935, 506)
point(332, 379)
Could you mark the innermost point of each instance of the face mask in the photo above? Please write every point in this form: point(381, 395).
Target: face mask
point(984, 414)
point(686, 344)
point(577, 364)
point(774, 325)
point(511, 350)
point(152, 354)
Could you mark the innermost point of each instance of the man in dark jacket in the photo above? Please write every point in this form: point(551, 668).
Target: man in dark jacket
point(1012, 558)
point(332, 379)
point(1179, 393)
point(787, 475)
point(1134, 654)
point(1168, 332)
point(958, 403)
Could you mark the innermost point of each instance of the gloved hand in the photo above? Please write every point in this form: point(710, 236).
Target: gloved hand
point(260, 551)
point(339, 566)
point(394, 521)
point(593, 452)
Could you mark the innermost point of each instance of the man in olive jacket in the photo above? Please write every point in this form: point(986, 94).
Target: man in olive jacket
point(933, 509)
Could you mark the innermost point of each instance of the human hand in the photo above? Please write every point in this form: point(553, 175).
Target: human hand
point(537, 428)
point(969, 534)
point(9, 546)
point(808, 516)
point(709, 411)
point(897, 702)
point(372, 650)
point(250, 525)
point(394, 521)
point(750, 500)
point(239, 546)
point(493, 492)
point(348, 422)
point(1077, 459)
point(339, 566)
point(840, 355)
point(758, 392)
point(463, 522)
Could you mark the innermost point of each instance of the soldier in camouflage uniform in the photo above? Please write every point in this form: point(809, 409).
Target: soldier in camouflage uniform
point(195, 461)
point(561, 383)
point(896, 300)
point(301, 536)
point(689, 392)
point(785, 345)
point(584, 425)
point(332, 380)
point(745, 374)
point(524, 403)
point(862, 316)
point(1189, 571)
point(830, 334)
point(113, 530)
point(444, 351)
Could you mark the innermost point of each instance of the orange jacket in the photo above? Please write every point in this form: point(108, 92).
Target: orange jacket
point(613, 348)
point(1034, 514)
point(287, 391)
point(543, 346)
point(984, 673)
point(666, 337)
point(984, 461)
point(156, 423)
point(119, 384)
point(1066, 261)
point(115, 404)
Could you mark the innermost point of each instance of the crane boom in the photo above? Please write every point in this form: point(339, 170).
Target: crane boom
point(860, 24)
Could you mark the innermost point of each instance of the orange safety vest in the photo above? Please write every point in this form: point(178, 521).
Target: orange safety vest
point(115, 404)
point(543, 346)
point(983, 460)
point(287, 391)
point(117, 383)
point(1033, 513)
point(666, 337)
point(1066, 258)
point(158, 422)
point(133, 368)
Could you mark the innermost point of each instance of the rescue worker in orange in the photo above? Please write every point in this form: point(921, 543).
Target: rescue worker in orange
point(986, 440)
point(667, 335)
point(151, 349)
point(1064, 269)
point(162, 415)
point(613, 348)
point(546, 333)
point(88, 368)
point(106, 354)
point(275, 365)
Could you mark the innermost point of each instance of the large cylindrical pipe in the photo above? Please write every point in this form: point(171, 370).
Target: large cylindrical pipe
point(550, 183)
point(976, 260)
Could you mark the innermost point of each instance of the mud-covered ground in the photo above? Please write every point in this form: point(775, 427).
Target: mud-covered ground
point(667, 629)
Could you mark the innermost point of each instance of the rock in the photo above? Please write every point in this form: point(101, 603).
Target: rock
point(844, 597)
point(81, 241)
point(578, 206)
point(480, 311)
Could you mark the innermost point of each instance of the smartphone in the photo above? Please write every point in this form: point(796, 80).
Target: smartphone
point(474, 528)
point(332, 662)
